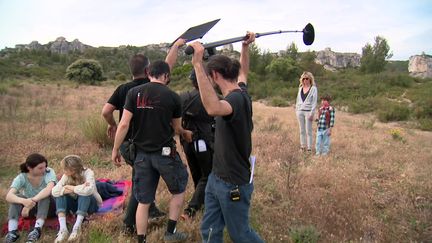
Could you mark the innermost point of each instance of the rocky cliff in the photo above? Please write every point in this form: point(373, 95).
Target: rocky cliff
point(60, 45)
point(420, 66)
point(332, 60)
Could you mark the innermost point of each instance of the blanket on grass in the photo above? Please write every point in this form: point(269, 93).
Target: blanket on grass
point(111, 206)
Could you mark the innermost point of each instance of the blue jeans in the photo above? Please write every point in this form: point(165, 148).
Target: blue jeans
point(81, 205)
point(221, 211)
point(322, 142)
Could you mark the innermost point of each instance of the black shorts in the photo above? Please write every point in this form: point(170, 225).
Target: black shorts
point(149, 167)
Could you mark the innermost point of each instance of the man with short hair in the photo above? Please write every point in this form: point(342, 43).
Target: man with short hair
point(139, 67)
point(154, 112)
point(229, 187)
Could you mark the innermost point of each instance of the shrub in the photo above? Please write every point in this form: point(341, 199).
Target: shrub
point(362, 105)
point(279, 101)
point(394, 112)
point(85, 71)
point(94, 128)
point(425, 124)
point(304, 234)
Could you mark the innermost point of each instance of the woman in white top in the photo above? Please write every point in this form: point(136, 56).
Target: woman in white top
point(76, 191)
point(305, 109)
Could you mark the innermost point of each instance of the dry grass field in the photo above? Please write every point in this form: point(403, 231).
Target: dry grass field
point(374, 186)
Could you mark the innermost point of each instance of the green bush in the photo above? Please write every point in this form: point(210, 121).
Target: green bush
point(87, 71)
point(305, 234)
point(94, 128)
point(360, 106)
point(394, 112)
point(279, 101)
point(425, 124)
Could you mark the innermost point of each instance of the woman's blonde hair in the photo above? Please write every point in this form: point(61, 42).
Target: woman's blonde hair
point(74, 164)
point(309, 75)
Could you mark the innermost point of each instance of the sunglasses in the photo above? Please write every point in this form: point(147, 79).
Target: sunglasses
point(305, 78)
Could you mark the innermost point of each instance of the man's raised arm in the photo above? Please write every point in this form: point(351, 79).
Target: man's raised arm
point(244, 58)
point(171, 57)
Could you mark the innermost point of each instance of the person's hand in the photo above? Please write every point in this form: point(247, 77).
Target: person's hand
point(310, 118)
point(111, 131)
point(116, 158)
point(28, 203)
point(187, 135)
point(250, 37)
point(68, 189)
point(198, 52)
point(329, 132)
point(25, 212)
point(179, 42)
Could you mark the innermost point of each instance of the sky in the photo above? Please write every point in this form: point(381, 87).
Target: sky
point(344, 26)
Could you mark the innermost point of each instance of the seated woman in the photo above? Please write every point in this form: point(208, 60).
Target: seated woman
point(76, 191)
point(29, 194)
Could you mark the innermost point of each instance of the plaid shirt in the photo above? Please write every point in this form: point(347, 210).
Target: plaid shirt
point(322, 123)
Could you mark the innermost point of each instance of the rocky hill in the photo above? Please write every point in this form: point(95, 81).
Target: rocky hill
point(333, 60)
point(420, 66)
point(60, 45)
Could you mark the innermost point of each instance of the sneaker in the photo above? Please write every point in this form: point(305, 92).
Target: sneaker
point(74, 235)
point(175, 237)
point(156, 215)
point(11, 236)
point(61, 236)
point(34, 235)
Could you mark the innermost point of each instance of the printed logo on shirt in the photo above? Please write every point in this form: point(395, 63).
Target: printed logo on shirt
point(144, 102)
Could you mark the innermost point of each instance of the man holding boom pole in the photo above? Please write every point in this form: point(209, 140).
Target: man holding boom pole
point(229, 187)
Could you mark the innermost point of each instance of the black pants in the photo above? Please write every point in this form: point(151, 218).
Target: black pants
point(200, 165)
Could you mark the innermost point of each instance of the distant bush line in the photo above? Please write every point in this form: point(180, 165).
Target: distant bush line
point(392, 94)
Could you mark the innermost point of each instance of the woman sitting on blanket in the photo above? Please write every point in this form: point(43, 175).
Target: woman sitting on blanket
point(29, 194)
point(76, 191)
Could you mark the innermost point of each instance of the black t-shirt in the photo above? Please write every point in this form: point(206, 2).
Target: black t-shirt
point(153, 106)
point(233, 143)
point(117, 99)
point(195, 117)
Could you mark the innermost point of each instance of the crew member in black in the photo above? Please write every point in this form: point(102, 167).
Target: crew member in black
point(138, 65)
point(229, 186)
point(199, 153)
point(154, 113)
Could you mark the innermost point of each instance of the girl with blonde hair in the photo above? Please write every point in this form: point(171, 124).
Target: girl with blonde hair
point(76, 191)
point(306, 103)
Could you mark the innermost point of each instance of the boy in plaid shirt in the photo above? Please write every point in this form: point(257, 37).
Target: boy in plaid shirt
point(326, 119)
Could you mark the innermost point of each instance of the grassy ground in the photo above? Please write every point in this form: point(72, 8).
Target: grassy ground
point(374, 186)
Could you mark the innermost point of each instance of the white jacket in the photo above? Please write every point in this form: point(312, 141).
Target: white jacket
point(310, 103)
point(82, 190)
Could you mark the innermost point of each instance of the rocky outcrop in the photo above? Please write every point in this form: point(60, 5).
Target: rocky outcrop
point(420, 66)
point(332, 60)
point(60, 45)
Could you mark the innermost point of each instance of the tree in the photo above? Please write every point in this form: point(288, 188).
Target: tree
point(292, 51)
point(374, 57)
point(307, 63)
point(284, 68)
point(85, 71)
